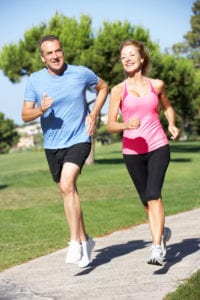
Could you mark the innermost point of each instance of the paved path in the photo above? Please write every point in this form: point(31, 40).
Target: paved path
point(118, 271)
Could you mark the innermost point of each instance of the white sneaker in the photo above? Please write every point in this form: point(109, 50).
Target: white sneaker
point(165, 238)
point(156, 256)
point(74, 253)
point(87, 247)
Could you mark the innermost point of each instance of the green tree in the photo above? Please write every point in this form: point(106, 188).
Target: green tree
point(196, 121)
point(182, 86)
point(76, 36)
point(98, 51)
point(193, 37)
point(103, 55)
point(190, 46)
point(8, 136)
point(23, 58)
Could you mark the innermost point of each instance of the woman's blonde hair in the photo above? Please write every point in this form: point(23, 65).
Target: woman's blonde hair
point(146, 65)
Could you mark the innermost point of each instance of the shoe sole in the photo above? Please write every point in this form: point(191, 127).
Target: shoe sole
point(155, 262)
point(72, 262)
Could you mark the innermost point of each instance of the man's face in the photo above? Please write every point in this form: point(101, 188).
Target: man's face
point(53, 56)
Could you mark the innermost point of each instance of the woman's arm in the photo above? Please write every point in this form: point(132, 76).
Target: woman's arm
point(167, 109)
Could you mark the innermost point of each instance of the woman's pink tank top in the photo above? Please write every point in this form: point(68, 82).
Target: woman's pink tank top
point(150, 135)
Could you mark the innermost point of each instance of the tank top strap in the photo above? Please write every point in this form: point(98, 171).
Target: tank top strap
point(125, 91)
point(152, 88)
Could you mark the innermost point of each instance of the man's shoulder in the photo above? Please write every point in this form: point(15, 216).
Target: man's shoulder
point(39, 73)
point(77, 68)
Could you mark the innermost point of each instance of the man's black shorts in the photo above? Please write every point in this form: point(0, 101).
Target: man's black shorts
point(76, 154)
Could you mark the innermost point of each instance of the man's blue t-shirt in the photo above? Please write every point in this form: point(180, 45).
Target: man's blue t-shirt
point(63, 124)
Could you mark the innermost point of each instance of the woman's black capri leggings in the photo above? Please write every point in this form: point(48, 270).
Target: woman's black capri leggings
point(147, 172)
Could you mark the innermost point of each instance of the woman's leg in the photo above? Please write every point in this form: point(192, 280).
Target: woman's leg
point(156, 217)
point(157, 165)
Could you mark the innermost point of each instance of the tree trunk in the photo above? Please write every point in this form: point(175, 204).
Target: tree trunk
point(90, 158)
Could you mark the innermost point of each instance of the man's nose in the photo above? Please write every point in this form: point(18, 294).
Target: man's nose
point(55, 54)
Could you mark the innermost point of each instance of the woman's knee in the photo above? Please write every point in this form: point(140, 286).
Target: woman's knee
point(155, 201)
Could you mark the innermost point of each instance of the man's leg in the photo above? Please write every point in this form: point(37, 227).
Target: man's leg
point(72, 207)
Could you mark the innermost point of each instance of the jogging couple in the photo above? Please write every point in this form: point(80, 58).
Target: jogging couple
point(57, 94)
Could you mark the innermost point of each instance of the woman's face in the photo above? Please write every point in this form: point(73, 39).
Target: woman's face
point(131, 59)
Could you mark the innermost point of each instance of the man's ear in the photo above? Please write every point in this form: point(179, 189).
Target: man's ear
point(42, 58)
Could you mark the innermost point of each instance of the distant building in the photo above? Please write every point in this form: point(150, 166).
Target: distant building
point(25, 142)
point(26, 133)
point(29, 129)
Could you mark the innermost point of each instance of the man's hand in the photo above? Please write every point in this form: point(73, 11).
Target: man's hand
point(46, 102)
point(90, 121)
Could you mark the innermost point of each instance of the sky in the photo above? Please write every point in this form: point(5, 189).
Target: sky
point(166, 20)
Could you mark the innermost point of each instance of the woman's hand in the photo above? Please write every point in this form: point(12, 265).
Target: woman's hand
point(132, 123)
point(174, 131)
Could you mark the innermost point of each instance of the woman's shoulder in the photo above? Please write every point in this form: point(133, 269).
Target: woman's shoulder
point(117, 91)
point(157, 84)
point(118, 87)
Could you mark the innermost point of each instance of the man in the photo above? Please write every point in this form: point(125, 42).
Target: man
point(57, 94)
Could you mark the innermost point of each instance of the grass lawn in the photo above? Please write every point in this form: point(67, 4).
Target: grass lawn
point(31, 210)
point(187, 291)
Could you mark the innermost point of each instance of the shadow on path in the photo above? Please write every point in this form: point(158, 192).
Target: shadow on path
point(105, 255)
point(177, 252)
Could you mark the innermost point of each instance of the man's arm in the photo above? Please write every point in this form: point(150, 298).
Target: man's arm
point(102, 92)
point(30, 112)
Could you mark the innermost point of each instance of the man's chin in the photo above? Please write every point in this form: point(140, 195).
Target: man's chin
point(57, 69)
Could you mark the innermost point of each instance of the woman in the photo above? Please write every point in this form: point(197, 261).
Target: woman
point(145, 145)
